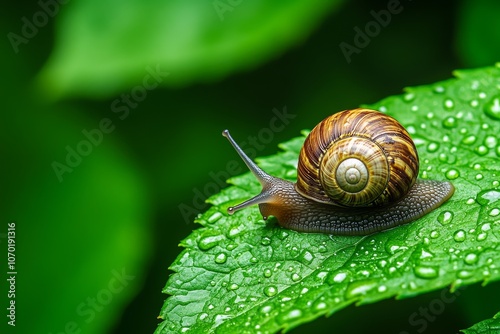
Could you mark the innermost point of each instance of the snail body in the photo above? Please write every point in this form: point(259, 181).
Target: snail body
point(357, 174)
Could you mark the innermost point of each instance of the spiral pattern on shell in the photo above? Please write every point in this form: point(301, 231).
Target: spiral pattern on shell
point(357, 157)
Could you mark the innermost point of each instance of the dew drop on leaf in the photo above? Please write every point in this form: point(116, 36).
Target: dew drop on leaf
point(296, 277)
point(448, 104)
point(482, 150)
point(452, 174)
point(267, 273)
point(488, 196)
point(215, 217)
point(464, 274)
point(205, 243)
point(469, 140)
point(426, 272)
point(337, 277)
point(319, 305)
point(221, 258)
point(450, 122)
point(494, 212)
point(266, 241)
point(266, 309)
point(432, 147)
point(445, 217)
point(459, 236)
point(481, 237)
point(270, 291)
point(471, 258)
point(492, 108)
point(291, 315)
point(490, 141)
point(360, 288)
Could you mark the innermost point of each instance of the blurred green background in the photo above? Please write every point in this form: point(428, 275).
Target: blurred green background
point(111, 133)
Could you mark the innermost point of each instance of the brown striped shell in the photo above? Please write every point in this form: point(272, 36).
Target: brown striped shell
point(357, 157)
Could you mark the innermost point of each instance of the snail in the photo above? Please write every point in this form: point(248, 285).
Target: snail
point(356, 175)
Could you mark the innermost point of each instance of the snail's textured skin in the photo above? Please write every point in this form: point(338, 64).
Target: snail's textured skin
point(357, 174)
point(302, 214)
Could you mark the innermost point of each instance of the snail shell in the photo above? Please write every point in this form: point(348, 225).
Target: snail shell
point(357, 174)
point(357, 158)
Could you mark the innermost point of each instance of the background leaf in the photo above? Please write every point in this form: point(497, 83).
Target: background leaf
point(240, 271)
point(200, 40)
point(478, 38)
point(486, 326)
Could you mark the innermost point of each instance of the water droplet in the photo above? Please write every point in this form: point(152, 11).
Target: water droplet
point(266, 309)
point(439, 89)
point(464, 274)
point(488, 196)
point(184, 329)
point(267, 273)
point(270, 291)
point(203, 316)
point(291, 315)
point(486, 226)
point(434, 234)
point(215, 217)
point(339, 277)
point(382, 288)
point(322, 249)
point(321, 276)
point(494, 212)
point(432, 147)
point(409, 97)
point(235, 230)
point(481, 236)
point(426, 272)
point(490, 141)
point(319, 305)
point(452, 174)
point(450, 122)
point(266, 241)
point(358, 288)
point(233, 286)
point(210, 241)
point(221, 258)
point(474, 103)
point(479, 176)
point(307, 256)
point(425, 254)
point(296, 277)
point(492, 108)
point(445, 217)
point(448, 104)
point(230, 247)
point(469, 140)
point(459, 236)
point(482, 150)
point(471, 258)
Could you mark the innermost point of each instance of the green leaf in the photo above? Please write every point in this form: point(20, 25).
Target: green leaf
point(242, 271)
point(486, 326)
point(103, 47)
